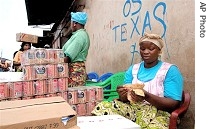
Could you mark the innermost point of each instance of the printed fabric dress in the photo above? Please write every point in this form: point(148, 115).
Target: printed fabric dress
point(142, 113)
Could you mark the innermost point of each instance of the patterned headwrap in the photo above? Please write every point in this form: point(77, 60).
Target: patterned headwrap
point(154, 38)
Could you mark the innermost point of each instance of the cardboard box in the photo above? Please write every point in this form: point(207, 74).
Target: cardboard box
point(106, 122)
point(22, 37)
point(40, 113)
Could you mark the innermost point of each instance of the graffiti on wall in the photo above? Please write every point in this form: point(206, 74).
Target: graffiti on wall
point(132, 10)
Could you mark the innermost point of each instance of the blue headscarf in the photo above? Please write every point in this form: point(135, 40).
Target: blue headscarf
point(80, 17)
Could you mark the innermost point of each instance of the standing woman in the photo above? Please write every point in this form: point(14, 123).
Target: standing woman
point(76, 49)
point(17, 58)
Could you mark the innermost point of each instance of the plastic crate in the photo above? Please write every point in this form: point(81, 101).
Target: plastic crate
point(114, 80)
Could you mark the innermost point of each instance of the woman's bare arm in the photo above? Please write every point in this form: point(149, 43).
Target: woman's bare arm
point(162, 103)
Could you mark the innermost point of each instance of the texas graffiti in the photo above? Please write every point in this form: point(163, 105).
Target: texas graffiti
point(139, 25)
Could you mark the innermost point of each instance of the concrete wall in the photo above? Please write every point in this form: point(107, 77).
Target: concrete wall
point(115, 27)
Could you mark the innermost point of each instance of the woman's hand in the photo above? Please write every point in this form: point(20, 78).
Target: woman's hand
point(122, 91)
point(67, 59)
point(135, 97)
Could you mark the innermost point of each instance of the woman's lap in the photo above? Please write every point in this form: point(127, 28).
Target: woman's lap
point(147, 116)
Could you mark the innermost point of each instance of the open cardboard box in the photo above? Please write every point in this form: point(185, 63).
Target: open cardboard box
point(40, 113)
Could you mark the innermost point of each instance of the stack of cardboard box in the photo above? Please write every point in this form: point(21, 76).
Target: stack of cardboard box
point(44, 75)
point(83, 99)
point(46, 71)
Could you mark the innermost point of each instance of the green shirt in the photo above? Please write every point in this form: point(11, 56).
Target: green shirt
point(76, 48)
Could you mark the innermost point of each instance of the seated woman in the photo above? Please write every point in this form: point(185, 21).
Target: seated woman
point(17, 57)
point(163, 86)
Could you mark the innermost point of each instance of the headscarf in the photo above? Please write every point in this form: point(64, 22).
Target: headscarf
point(154, 38)
point(80, 17)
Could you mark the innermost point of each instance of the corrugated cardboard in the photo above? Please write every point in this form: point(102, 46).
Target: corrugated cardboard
point(106, 122)
point(40, 113)
point(22, 37)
